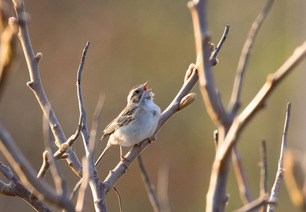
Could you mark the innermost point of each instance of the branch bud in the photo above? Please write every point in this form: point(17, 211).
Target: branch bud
point(190, 71)
point(64, 147)
point(187, 100)
point(38, 56)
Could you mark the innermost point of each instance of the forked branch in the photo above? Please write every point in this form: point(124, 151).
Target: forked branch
point(36, 86)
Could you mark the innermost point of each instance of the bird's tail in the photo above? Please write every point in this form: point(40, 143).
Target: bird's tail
point(103, 154)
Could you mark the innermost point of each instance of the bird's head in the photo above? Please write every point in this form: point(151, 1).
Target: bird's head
point(139, 93)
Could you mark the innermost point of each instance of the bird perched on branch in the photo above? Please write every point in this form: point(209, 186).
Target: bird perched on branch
point(136, 122)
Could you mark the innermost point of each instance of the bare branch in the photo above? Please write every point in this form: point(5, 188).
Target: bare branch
point(234, 104)
point(37, 88)
point(258, 101)
point(280, 171)
point(64, 147)
point(26, 172)
point(16, 188)
point(220, 165)
point(149, 186)
point(243, 184)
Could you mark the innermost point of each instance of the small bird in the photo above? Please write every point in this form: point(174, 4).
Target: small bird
point(137, 121)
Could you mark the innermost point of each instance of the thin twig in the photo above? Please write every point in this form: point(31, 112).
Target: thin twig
point(94, 182)
point(85, 133)
point(254, 205)
point(59, 181)
point(263, 173)
point(234, 104)
point(162, 188)
point(119, 198)
point(149, 186)
point(280, 170)
point(215, 53)
point(61, 152)
point(243, 184)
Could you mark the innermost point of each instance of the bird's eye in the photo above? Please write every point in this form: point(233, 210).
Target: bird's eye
point(137, 91)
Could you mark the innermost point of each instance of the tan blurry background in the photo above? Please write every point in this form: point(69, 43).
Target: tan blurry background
point(136, 41)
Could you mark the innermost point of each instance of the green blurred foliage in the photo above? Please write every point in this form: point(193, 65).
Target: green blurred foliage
point(136, 41)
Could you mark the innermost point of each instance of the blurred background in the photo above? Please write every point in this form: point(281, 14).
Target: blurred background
point(136, 41)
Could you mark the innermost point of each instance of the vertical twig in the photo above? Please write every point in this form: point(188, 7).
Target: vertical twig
point(89, 169)
point(149, 186)
point(59, 181)
point(280, 170)
point(162, 188)
point(243, 184)
point(84, 130)
point(263, 173)
point(214, 54)
point(244, 58)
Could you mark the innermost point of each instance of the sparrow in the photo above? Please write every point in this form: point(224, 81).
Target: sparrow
point(137, 121)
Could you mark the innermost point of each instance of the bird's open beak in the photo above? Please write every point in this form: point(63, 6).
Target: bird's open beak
point(145, 87)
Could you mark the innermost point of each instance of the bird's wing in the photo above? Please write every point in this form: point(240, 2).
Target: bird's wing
point(124, 118)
